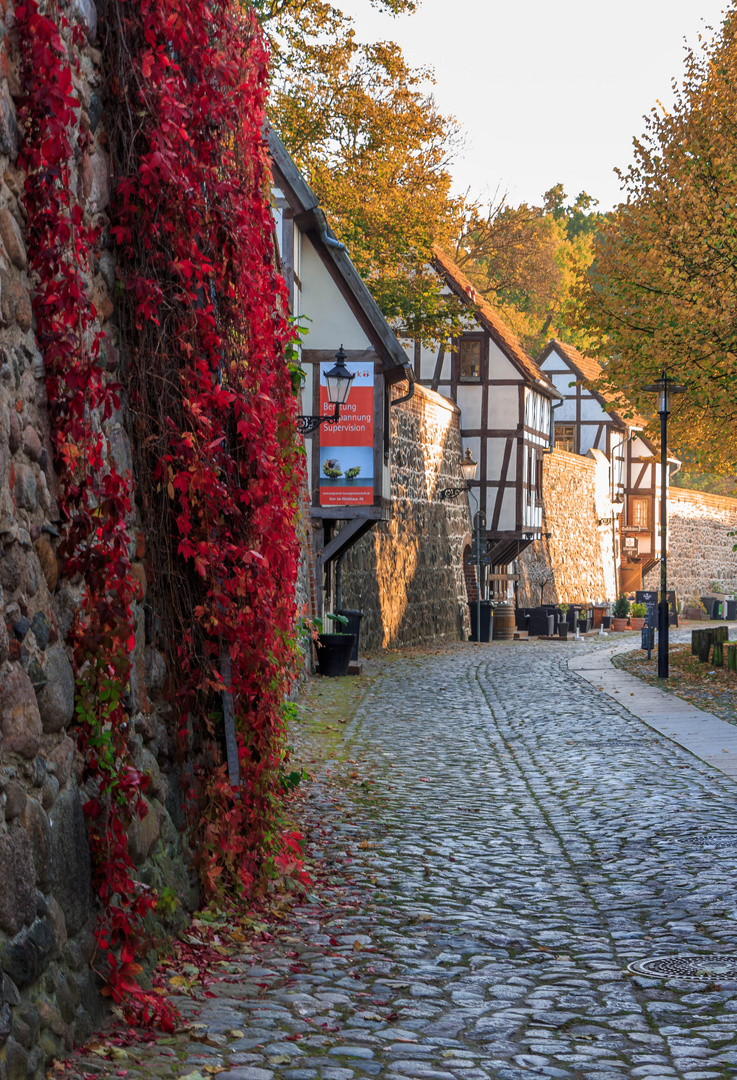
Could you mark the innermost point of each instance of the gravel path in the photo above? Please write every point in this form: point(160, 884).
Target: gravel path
point(500, 841)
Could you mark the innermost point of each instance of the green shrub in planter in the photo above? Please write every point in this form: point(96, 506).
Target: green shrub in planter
point(621, 608)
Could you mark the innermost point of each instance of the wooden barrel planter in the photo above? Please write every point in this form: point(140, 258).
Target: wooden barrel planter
point(504, 622)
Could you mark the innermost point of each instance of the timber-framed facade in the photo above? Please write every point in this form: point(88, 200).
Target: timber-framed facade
point(588, 419)
point(505, 402)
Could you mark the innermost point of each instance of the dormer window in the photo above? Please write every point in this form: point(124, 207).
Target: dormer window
point(469, 357)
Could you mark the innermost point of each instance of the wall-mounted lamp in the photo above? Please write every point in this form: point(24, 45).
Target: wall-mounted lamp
point(338, 381)
point(468, 468)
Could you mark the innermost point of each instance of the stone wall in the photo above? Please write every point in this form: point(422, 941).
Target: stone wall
point(49, 997)
point(699, 544)
point(576, 562)
point(406, 575)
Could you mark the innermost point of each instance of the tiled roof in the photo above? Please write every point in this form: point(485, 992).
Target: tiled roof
point(489, 318)
point(589, 370)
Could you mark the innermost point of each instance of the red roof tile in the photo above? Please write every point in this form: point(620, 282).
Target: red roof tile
point(589, 370)
point(489, 318)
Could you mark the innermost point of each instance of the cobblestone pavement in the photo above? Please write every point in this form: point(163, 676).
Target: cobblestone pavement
point(502, 840)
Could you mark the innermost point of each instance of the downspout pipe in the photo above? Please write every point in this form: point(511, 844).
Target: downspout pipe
point(408, 371)
point(552, 426)
point(324, 232)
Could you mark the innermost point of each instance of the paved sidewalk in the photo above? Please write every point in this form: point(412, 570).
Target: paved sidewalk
point(706, 736)
point(501, 839)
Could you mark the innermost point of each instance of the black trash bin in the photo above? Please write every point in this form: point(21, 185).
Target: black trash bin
point(485, 621)
point(353, 627)
point(731, 609)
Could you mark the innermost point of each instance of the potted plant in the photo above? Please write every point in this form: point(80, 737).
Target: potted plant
point(694, 609)
point(637, 616)
point(620, 613)
point(563, 624)
point(334, 650)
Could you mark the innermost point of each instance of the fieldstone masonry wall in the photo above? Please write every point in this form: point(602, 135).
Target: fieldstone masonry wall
point(576, 562)
point(49, 997)
point(700, 547)
point(406, 575)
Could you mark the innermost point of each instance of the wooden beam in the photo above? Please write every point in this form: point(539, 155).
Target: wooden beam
point(347, 513)
point(438, 369)
point(345, 539)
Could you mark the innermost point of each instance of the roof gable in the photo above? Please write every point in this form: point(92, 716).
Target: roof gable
point(589, 370)
point(485, 314)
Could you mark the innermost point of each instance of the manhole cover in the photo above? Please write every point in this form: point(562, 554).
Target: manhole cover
point(728, 839)
point(694, 968)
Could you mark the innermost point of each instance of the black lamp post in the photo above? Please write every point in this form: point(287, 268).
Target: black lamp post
point(663, 387)
point(338, 381)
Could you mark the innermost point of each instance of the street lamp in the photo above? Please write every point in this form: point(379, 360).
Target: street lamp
point(468, 469)
point(338, 381)
point(664, 388)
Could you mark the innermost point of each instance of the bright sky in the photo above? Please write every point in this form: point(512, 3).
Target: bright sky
point(546, 92)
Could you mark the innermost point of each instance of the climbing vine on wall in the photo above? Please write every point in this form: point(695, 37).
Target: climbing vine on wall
point(94, 496)
point(205, 334)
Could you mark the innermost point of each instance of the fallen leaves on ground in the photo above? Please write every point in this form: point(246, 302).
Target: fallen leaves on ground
point(707, 687)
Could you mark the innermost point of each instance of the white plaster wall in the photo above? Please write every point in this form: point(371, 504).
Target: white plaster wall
point(508, 516)
point(499, 366)
point(503, 407)
point(591, 409)
point(331, 322)
point(469, 402)
point(588, 435)
point(564, 382)
point(494, 458)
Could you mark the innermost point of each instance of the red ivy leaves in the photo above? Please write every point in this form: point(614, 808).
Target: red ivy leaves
point(194, 225)
point(94, 496)
point(194, 229)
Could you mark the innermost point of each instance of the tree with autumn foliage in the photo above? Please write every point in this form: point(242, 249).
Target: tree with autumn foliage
point(525, 261)
point(663, 288)
point(366, 131)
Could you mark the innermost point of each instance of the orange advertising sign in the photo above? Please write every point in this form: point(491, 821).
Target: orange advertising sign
point(347, 448)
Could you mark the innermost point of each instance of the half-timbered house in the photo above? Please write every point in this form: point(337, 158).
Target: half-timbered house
point(505, 402)
point(588, 419)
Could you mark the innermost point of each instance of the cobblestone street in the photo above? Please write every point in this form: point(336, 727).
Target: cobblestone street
point(501, 841)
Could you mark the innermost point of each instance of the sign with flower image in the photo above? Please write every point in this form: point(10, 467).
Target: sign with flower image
point(347, 448)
